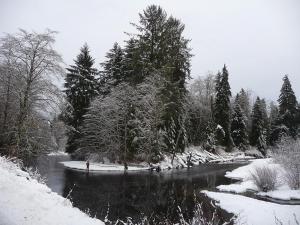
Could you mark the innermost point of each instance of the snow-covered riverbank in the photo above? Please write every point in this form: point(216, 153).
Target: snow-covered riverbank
point(192, 156)
point(283, 191)
point(81, 166)
point(25, 201)
point(254, 211)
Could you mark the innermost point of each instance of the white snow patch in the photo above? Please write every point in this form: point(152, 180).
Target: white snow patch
point(198, 156)
point(58, 153)
point(25, 201)
point(238, 188)
point(255, 212)
point(243, 173)
point(81, 165)
point(282, 194)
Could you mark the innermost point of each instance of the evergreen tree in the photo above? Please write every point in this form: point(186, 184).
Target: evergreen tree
point(133, 66)
point(244, 102)
point(80, 88)
point(222, 108)
point(265, 119)
point(298, 119)
point(152, 37)
point(258, 133)
point(277, 131)
point(163, 49)
point(113, 73)
point(288, 107)
point(274, 112)
point(238, 127)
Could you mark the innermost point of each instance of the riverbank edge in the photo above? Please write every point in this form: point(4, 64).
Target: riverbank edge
point(245, 184)
point(191, 157)
point(27, 200)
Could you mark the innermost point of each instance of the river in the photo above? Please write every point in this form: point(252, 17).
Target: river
point(136, 194)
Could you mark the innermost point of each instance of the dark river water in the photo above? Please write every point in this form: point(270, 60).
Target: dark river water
point(137, 194)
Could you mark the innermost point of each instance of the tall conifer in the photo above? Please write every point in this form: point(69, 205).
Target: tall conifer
point(80, 88)
point(222, 107)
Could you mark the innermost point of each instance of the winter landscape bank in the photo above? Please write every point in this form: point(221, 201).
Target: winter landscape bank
point(25, 201)
point(253, 210)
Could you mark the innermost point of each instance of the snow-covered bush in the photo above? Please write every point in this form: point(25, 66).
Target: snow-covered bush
point(34, 174)
point(15, 165)
point(199, 217)
point(287, 153)
point(264, 178)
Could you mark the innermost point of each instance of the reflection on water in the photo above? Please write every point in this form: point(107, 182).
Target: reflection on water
point(135, 194)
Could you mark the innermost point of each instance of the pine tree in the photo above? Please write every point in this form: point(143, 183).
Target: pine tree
point(244, 103)
point(288, 107)
point(133, 66)
point(238, 127)
point(258, 133)
point(222, 107)
point(276, 130)
point(113, 73)
point(80, 88)
point(152, 37)
point(163, 49)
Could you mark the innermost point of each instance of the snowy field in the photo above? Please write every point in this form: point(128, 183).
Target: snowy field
point(283, 191)
point(24, 201)
point(255, 212)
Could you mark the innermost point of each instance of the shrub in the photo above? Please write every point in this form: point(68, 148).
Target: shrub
point(264, 178)
point(287, 154)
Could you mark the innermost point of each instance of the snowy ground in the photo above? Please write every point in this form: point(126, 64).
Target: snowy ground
point(81, 165)
point(58, 153)
point(198, 156)
point(283, 192)
point(255, 212)
point(24, 201)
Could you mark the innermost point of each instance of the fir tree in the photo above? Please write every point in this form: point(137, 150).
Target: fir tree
point(113, 73)
point(258, 133)
point(152, 30)
point(133, 66)
point(288, 107)
point(163, 49)
point(238, 127)
point(244, 102)
point(222, 107)
point(265, 119)
point(80, 88)
point(277, 131)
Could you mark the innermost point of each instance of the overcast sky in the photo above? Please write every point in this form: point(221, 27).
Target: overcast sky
point(259, 40)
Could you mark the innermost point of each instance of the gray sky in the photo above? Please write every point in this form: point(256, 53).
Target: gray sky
point(259, 40)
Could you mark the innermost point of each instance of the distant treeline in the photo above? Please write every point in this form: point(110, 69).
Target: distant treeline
point(138, 106)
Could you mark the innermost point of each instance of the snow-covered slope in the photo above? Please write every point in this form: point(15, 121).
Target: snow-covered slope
point(283, 191)
point(24, 201)
point(255, 212)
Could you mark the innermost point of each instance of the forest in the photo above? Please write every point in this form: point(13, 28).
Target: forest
point(140, 105)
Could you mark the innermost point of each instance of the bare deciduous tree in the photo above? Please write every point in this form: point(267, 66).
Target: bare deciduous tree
point(30, 66)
